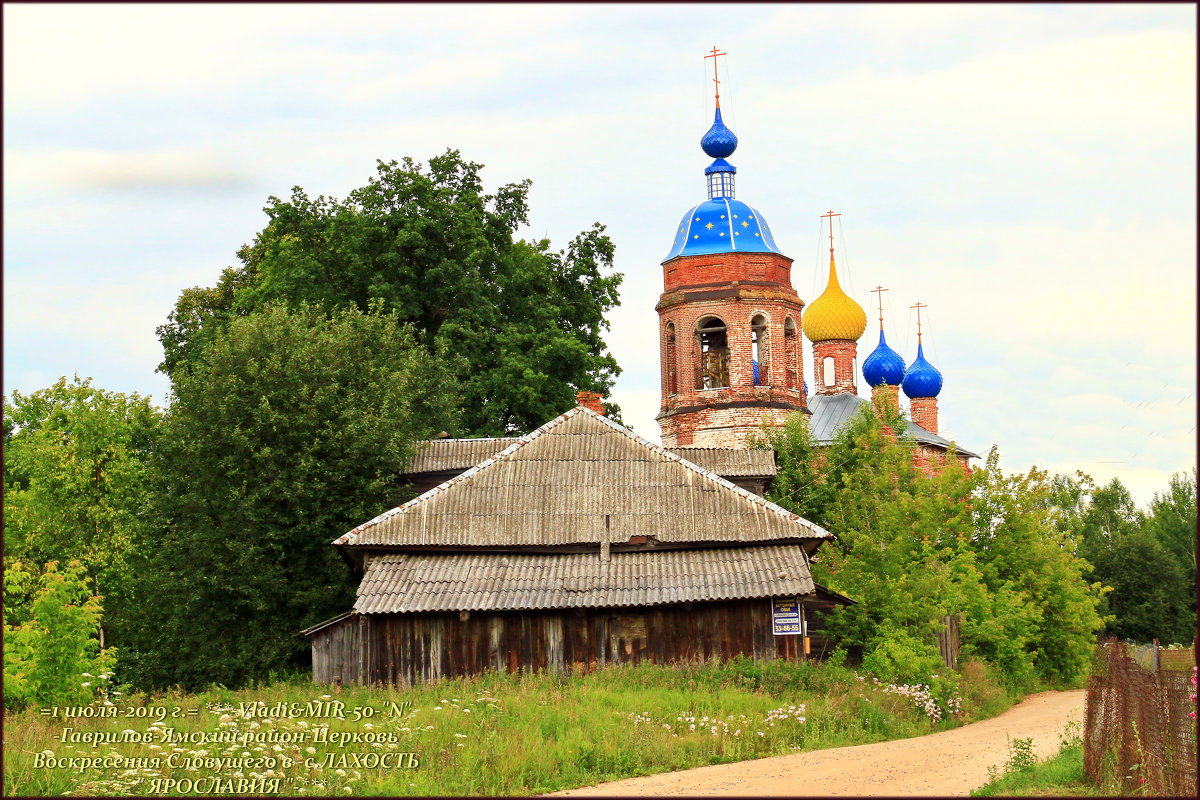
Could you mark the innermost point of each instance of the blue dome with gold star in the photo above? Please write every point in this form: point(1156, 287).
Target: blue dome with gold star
point(921, 379)
point(722, 225)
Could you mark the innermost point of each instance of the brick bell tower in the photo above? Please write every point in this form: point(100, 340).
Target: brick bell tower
point(729, 319)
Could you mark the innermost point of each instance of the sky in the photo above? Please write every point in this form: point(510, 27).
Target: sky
point(1027, 171)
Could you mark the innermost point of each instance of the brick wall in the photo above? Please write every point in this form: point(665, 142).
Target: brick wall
point(737, 289)
point(925, 412)
point(844, 353)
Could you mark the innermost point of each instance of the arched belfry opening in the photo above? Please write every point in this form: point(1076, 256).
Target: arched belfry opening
point(760, 351)
point(713, 343)
point(669, 362)
point(791, 344)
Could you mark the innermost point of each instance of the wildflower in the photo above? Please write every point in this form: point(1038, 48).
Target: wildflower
point(85, 685)
point(760, 733)
point(466, 711)
point(437, 708)
point(341, 773)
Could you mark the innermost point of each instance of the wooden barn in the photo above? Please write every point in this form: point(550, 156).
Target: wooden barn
point(578, 545)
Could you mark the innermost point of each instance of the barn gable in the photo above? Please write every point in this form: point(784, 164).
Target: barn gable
point(582, 479)
point(578, 545)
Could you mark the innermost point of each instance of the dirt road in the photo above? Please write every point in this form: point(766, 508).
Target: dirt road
point(950, 763)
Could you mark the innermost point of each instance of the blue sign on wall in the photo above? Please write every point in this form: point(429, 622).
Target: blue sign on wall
point(785, 616)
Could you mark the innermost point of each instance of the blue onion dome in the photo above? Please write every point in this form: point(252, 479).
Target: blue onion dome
point(884, 365)
point(921, 379)
point(722, 225)
point(719, 142)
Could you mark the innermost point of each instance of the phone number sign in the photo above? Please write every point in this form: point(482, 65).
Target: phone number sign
point(785, 616)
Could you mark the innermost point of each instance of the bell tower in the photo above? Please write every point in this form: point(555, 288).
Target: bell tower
point(729, 319)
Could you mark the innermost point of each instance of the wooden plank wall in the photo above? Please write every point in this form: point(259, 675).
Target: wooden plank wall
point(949, 641)
point(402, 649)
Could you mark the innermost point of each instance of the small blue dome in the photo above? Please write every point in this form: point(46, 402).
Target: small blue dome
point(921, 379)
point(722, 225)
point(884, 365)
point(719, 142)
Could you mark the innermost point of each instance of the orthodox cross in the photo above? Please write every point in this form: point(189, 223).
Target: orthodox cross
point(716, 83)
point(918, 307)
point(831, 215)
point(879, 290)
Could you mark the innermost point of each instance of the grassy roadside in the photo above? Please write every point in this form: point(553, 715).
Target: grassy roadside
point(494, 734)
point(1060, 775)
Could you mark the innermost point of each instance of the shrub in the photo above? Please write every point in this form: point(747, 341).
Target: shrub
point(895, 656)
point(53, 658)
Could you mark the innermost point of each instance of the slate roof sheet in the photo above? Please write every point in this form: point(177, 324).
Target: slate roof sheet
point(831, 412)
point(407, 582)
point(439, 455)
point(582, 478)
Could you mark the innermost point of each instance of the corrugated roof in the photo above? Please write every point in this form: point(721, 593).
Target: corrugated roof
point(582, 478)
point(831, 412)
point(405, 582)
point(726, 462)
point(440, 455)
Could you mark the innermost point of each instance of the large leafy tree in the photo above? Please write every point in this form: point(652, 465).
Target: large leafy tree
point(76, 476)
point(913, 547)
point(285, 431)
point(526, 320)
point(1147, 559)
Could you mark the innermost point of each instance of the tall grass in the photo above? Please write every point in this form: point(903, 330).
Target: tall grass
point(503, 734)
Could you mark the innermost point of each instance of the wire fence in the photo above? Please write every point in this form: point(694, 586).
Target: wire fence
point(1140, 734)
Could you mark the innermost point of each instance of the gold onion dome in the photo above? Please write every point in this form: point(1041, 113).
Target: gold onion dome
point(834, 315)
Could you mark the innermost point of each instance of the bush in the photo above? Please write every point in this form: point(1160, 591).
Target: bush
point(53, 658)
point(895, 656)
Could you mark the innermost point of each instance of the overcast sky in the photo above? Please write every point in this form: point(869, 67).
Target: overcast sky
point(1028, 171)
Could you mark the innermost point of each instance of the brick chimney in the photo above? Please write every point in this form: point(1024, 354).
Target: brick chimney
point(592, 401)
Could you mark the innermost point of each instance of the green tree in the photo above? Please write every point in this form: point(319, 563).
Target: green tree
point(1172, 520)
point(288, 430)
point(1026, 551)
point(54, 656)
point(912, 547)
point(76, 482)
point(1151, 597)
point(526, 321)
point(1147, 559)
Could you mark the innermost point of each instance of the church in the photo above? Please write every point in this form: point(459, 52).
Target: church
point(582, 544)
point(732, 357)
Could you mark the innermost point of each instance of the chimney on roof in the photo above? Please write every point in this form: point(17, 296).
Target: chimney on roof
point(592, 401)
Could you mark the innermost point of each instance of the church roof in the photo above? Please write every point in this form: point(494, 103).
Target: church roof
point(831, 412)
point(582, 478)
point(722, 225)
point(408, 582)
point(833, 315)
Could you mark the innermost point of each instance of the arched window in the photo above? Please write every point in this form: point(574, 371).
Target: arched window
point(791, 344)
point(713, 372)
point(760, 351)
point(828, 376)
point(669, 360)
